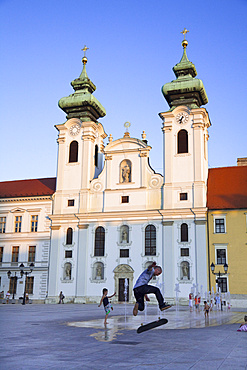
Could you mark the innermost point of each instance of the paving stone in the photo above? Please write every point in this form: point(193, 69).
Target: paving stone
point(72, 336)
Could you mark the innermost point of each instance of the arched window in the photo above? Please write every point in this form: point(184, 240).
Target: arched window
point(150, 240)
point(184, 233)
point(73, 152)
point(99, 244)
point(125, 171)
point(124, 234)
point(185, 271)
point(96, 153)
point(183, 141)
point(69, 236)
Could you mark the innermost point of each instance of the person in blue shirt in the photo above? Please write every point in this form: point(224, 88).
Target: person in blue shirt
point(141, 289)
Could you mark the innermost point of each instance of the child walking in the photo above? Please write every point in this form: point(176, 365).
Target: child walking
point(107, 306)
point(206, 308)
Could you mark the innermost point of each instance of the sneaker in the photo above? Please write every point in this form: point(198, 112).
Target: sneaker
point(135, 309)
point(165, 307)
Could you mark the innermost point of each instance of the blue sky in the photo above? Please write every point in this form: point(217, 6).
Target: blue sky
point(133, 46)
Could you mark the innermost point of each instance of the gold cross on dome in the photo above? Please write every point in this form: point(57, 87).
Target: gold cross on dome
point(85, 49)
point(184, 32)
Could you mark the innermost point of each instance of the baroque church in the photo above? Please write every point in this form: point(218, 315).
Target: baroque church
point(108, 214)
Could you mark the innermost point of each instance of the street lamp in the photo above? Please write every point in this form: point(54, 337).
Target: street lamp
point(15, 282)
point(31, 266)
point(218, 274)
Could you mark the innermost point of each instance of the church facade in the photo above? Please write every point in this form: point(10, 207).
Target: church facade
point(108, 214)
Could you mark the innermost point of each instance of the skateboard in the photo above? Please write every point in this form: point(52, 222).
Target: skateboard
point(151, 325)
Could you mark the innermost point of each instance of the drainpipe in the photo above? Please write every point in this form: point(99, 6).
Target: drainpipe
point(163, 254)
point(209, 272)
point(48, 272)
point(76, 283)
point(195, 246)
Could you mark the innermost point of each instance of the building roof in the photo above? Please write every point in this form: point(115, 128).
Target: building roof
point(27, 188)
point(227, 188)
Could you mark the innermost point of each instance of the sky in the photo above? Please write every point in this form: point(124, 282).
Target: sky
point(133, 46)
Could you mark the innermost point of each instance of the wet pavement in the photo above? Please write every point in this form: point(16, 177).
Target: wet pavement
point(73, 336)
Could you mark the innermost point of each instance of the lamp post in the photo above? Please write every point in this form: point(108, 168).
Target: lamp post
point(15, 283)
point(26, 273)
point(219, 274)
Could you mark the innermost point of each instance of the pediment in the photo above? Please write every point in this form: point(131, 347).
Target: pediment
point(125, 144)
point(18, 210)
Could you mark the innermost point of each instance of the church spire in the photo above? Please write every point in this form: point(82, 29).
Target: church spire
point(186, 89)
point(82, 104)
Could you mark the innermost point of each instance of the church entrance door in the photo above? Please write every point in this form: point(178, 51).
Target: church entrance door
point(121, 290)
point(122, 272)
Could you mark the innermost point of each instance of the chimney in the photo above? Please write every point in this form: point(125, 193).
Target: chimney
point(241, 161)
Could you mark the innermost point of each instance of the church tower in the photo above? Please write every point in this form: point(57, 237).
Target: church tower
point(80, 160)
point(80, 140)
point(185, 135)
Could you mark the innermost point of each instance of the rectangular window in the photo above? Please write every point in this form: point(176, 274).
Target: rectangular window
point(15, 254)
point(1, 254)
point(12, 284)
point(31, 254)
point(34, 224)
point(220, 225)
point(124, 253)
point(183, 196)
point(221, 256)
point(68, 254)
point(222, 284)
point(29, 286)
point(2, 224)
point(125, 199)
point(18, 220)
point(71, 203)
point(185, 252)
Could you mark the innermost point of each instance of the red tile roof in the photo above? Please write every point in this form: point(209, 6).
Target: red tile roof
point(227, 188)
point(27, 188)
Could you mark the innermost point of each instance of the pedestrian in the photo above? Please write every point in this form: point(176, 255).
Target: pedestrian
point(27, 297)
point(211, 305)
point(107, 305)
point(7, 296)
point(61, 297)
point(191, 302)
point(197, 303)
point(243, 327)
point(218, 301)
point(206, 308)
point(142, 288)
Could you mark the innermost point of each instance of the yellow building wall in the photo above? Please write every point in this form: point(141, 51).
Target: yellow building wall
point(235, 239)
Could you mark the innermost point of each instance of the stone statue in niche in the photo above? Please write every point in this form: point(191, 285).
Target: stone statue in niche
point(124, 234)
point(67, 271)
point(99, 271)
point(185, 270)
point(125, 171)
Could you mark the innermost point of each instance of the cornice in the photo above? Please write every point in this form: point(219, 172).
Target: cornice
point(26, 199)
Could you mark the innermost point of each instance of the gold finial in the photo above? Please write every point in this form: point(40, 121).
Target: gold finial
point(144, 135)
point(127, 125)
point(184, 42)
point(110, 138)
point(184, 32)
point(84, 59)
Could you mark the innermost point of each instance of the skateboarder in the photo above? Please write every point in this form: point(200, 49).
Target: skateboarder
point(142, 288)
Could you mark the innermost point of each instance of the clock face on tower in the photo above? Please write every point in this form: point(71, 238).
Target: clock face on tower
point(182, 117)
point(74, 130)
